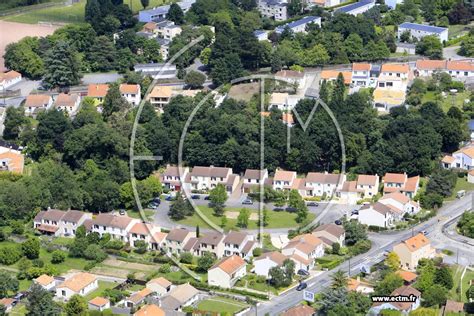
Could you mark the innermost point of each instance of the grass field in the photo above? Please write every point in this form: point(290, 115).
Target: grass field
point(221, 305)
point(458, 30)
point(457, 273)
point(103, 285)
point(275, 219)
point(461, 184)
point(67, 14)
point(148, 214)
point(447, 102)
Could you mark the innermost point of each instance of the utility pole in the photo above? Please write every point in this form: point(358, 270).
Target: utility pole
point(349, 272)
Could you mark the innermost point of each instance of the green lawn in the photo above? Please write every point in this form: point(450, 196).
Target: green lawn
point(18, 310)
point(461, 184)
point(148, 214)
point(457, 30)
point(67, 14)
point(275, 219)
point(25, 285)
point(456, 100)
point(103, 285)
point(221, 305)
point(457, 272)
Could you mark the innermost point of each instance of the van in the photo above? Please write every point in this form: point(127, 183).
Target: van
point(460, 194)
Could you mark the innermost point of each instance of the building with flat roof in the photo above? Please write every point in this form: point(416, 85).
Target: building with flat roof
point(357, 7)
point(421, 30)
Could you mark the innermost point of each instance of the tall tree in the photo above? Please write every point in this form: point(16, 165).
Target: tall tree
point(92, 11)
point(62, 67)
point(339, 280)
point(114, 102)
point(145, 3)
point(76, 306)
point(175, 14)
point(14, 121)
point(8, 284)
point(40, 302)
point(218, 197)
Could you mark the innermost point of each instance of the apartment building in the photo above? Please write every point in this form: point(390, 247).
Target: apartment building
point(168, 29)
point(299, 26)
point(273, 9)
point(421, 30)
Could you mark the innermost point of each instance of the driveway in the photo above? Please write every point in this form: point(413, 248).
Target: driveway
point(452, 53)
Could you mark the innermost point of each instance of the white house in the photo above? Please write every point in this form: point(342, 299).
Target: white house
point(273, 9)
point(167, 29)
point(400, 201)
point(176, 239)
point(180, 296)
point(160, 286)
point(379, 215)
point(349, 193)
point(157, 13)
point(36, 103)
point(278, 100)
point(207, 178)
point(71, 221)
point(361, 75)
point(283, 180)
point(240, 244)
point(226, 272)
point(461, 70)
point(11, 159)
point(421, 30)
point(142, 231)
point(323, 184)
point(99, 303)
point(303, 249)
point(426, 67)
point(393, 182)
point(470, 176)
point(8, 79)
point(299, 26)
point(211, 242)
point(131, 93)
point(60, 223)
point(265, 262)
point(357, 7)
point(117, 226)
point(291, 76)
point(172, 179)
point(68, 103)
point(253, 178)
point(330, 234)
point(369, 184)
point(45, 281)
point(81, 283)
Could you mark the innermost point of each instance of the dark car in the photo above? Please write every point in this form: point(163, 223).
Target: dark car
point(169, 198)
point(247, 202)
point(301, 286)
point(302, 272)
point(207, 198)
point(355, 212)
point(291, 209)
point(312, 204)
point(338, 222)
point(195, 197)
point(122, 212)
point(278, 209)
point(156, 200)
point(153, 205)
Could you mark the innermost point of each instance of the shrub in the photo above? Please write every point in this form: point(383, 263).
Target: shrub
point(58, 256)
point(18, 227)
point(93, 252)
point(165, 268)
point(186, 257)
point(257, 252)
point(31, 248)
point(9, 255)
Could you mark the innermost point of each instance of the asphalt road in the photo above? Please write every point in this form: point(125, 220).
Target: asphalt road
point(380, 244)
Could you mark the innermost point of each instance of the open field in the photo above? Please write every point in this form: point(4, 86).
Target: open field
point(11, 32)
point(103, 285)
point(446, 102)
point(221, 305)
point(275, 219)
point(461, 184)
point(67, 14)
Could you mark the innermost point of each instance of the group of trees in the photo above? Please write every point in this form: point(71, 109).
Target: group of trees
point(282, 276)
point(434, 282)
point(466, 224)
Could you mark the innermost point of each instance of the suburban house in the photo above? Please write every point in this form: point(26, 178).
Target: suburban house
point(207, 178)
point(265, 262)
point(361, 75)
point(385, 99)
point(131, 93)
point(273, 9)
point(426, 67)
point(413, 249)
point(171, 178)
point(99, 304)
point(299, 26)
point(117, 226)
point(142, 231)
point(8, 302)
point(149, 310)
point(11, 160)
point(407, 276)
point(369, 184)
point(36, 103)
point(253, 178)
point(303, 249)
point(330, 234)
point(401, 202)
point(404, 307)
point(81, 283)
point(331, 76)
point(291, 76)
point(461, 159)
point(356, 285)
point(379, 215)
point(421, 30)
point(287, 119)
point(157, 70)
point(357, 7)
point(97, 92)
point(211, 242)
point(240, 244)
point(8, 79)
point(160, 286)
point(60, 223)
point(393, 182)
point(349, 193)
point(323, 184)
point(160, 96)
point(300, 310)
point(45, 281)
point(158, 13)
point(68, 103)
point(283, 180)
point(227, 271)
point(180, 296)
point(470, 176)
point(460, 69)
point(158, 240)
point(176, 239)
point(137, 298)
point(167, 29)
point(279, 100)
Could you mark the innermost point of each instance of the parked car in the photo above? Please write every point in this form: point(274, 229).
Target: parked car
point(169, 198)
point(207, 198)
point(122, 212)
point(355, 212)
point(338, 222)
point(312, 204)
point(301, 286)
point(302, 272)
point(153, 205)
point(278, 209)
point(291, 209)
point(195, 197)
point(247, 201)
point(156, 200)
